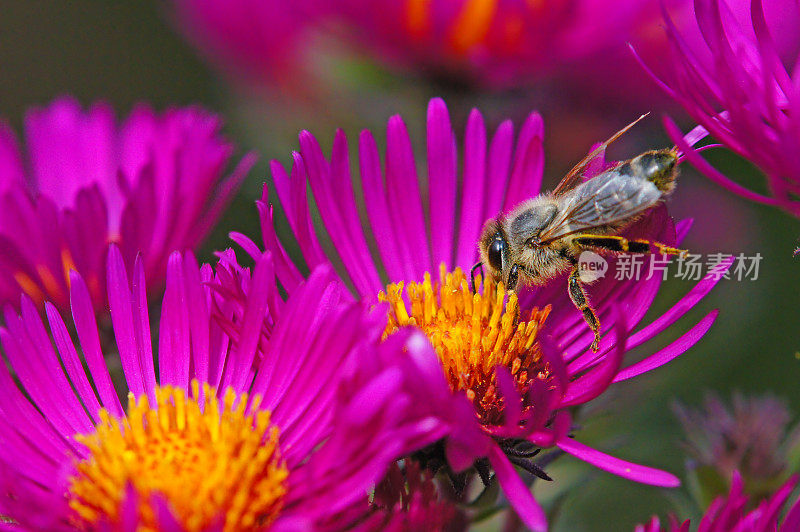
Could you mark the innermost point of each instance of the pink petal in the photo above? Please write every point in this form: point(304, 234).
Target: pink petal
point(517, 493)
point(635, 472)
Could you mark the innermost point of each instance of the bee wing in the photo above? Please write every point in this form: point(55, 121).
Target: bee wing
point(574, 176)
point(608, 198)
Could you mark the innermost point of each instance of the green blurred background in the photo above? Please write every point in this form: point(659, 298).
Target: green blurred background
point(125, 52)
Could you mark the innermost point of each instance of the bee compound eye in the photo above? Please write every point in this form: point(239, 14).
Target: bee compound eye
point(495, 253)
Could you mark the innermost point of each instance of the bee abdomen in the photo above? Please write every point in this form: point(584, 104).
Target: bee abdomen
point(657, 166)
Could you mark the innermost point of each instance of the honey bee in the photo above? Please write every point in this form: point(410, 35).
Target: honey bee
point(544, 236)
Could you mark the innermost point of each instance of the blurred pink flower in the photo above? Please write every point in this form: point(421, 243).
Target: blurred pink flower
point(264, 41)
point(752, 436)
point(488, 43)
point(152, 184)
point(578, 45)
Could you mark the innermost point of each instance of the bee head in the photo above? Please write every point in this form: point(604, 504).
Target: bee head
point(494, 249)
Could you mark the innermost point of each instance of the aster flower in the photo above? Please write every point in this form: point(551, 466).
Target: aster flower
point(752, 437)
point(511, 372)
point(735, 512)
point(228, 436)
point(745, 96)
point(153, 183)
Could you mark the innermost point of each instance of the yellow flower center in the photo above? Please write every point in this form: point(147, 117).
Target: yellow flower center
point(472, 333)
point(211, 462)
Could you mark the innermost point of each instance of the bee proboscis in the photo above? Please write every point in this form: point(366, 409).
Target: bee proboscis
point(544, 236)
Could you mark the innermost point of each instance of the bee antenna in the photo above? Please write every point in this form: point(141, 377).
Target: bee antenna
point(681, 156)
point(478, 266)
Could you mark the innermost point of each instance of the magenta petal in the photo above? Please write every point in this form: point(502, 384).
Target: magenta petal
point(442, 182)
point(402, 186)
point(517, 493)
point(459, 456)
point(653, 526)
point(174, 349)
point(694, 136)
point(712, 173)
point(500, 149)
point(70, 148)
point(200, 317)
point(771, 508)
point(299, 390)
point(297, 210)
point(129, 511)
point(390, 246)
point(141, 322)
point(17, 409)
point(635, 472)
point(365, 276)
point(238, 372)
point(526, 174)
point(562, 424)
point(83, 317)
point(333, 192)
point(71, 361)
point(246, 244)
point(466, 441)
point(367, 403)
point(473, 190)
point(425, 362)
point(41, 354)
point(698, 292)
point(673, 350)
point(165, 518)
point(288, 274)
point(119, 298)
point(792, 520)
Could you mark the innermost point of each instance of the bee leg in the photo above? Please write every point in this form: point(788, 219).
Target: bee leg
point(664, 249)
point(578, 297)
point(622, 244)
point(478, 266)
